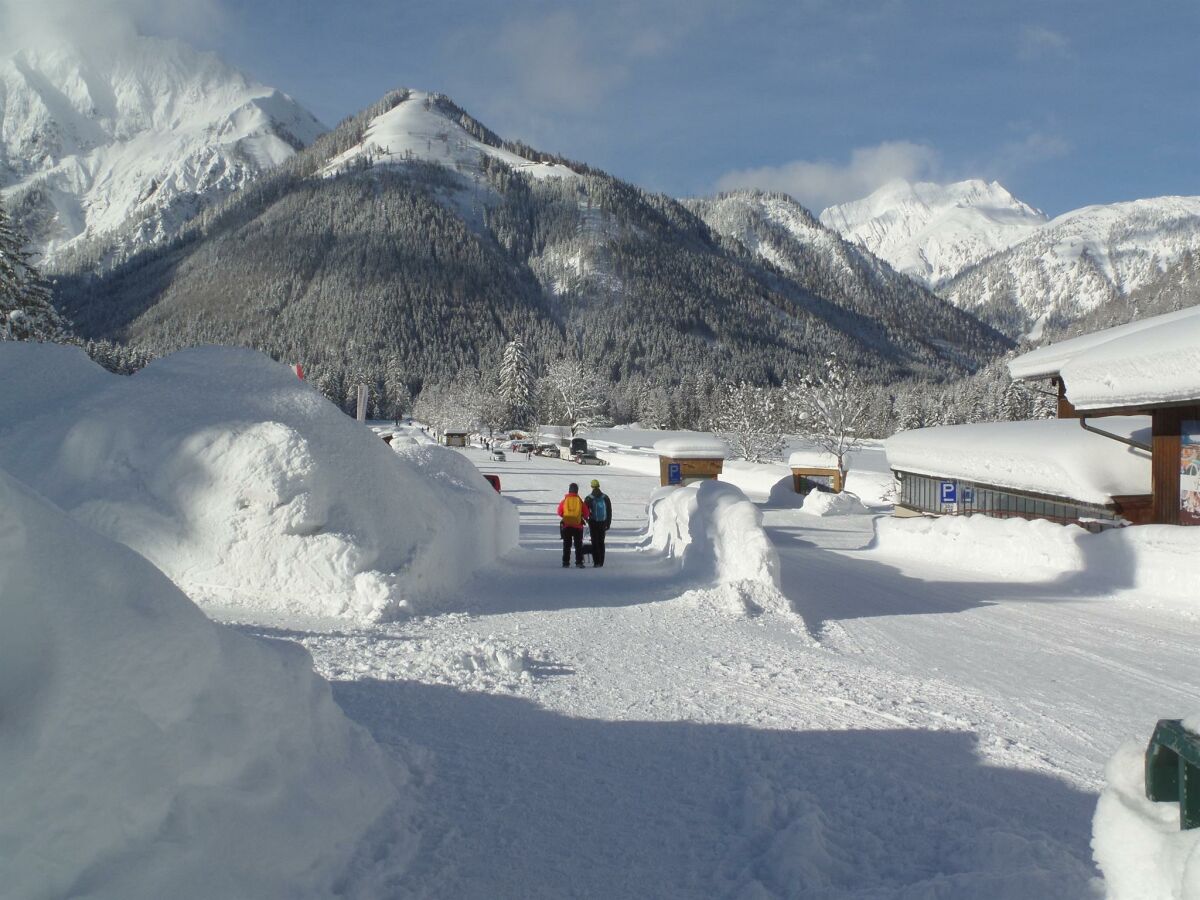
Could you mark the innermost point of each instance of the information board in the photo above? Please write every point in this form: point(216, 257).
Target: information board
point(1189, 473)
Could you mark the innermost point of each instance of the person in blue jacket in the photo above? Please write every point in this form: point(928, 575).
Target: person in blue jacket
point(598, 520)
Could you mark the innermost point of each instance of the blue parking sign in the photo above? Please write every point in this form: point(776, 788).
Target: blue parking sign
point(674, 473)
point(949, 491)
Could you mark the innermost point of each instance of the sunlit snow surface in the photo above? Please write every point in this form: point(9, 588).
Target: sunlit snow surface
point(923, 709)
point(921, 717)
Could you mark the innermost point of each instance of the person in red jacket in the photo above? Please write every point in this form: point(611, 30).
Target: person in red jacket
point(572, 514)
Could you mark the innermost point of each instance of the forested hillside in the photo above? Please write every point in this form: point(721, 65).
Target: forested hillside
point(358, 259)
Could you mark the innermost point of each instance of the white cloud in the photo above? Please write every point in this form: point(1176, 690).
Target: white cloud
point(102, 23)
point(1037, 42)
point(821, 184)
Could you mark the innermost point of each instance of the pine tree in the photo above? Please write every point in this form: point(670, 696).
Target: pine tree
point(395, 387)
point(26, 313)
point(516, 384)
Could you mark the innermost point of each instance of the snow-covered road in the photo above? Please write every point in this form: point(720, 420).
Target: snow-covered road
point(914, 731)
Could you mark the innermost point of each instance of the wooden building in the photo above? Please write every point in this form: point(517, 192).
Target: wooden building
point(815, 470)
point(1152, 368)
point(456, 438)
point(1046, 469)
point(688, 460)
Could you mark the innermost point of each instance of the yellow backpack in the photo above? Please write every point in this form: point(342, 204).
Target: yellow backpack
point(572, 510)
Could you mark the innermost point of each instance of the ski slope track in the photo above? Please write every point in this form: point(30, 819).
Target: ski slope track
point(894, 728)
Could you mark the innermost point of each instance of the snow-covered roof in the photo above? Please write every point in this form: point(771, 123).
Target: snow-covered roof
point(691, 448)
point(1155, 360)
point(812, 458)
point(1048, 456)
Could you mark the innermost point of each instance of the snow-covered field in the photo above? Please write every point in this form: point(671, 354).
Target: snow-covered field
point(754, 698)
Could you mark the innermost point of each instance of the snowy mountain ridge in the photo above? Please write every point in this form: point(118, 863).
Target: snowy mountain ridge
point(989, 253)
point(113, 151)
point(1078, 262)
point(422, 127)
point(932, 232)
point(776, 228)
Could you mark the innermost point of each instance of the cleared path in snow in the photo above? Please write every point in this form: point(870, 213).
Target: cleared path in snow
point(611, 733)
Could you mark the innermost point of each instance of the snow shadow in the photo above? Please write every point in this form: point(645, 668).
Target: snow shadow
point(519, 801)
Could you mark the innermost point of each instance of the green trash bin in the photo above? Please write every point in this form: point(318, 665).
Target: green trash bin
point(1173, 769)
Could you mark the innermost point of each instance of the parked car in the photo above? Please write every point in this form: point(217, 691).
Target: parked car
point(588, 458)
point(498, 456)
point(549, 450)
point(494, 481)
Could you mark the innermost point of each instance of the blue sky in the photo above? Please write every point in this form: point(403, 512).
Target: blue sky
point(1066, 103)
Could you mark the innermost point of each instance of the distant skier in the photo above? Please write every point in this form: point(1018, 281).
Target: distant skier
point(599, 517)
point(572, 513)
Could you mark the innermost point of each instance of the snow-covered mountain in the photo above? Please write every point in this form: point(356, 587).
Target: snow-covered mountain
point(412, 238)
point(776, 228)
point(1090, 257)
point(431, 128)
point(103, 152)
point(931, 231)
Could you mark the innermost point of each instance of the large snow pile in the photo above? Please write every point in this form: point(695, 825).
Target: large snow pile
point(1049, 456)
point(757, 481)
point(716, 535)
point(1017, 549)
point(147, 752)
point(244, 485)
point(1137, 843)
point(824, 503)
point(1154, 564)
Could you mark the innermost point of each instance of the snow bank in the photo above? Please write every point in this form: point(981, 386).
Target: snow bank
point(1157, 562)
point(1049, 456)
point(1151, 565)
point(642, 462)
point(244, 485)
point(1017, 549)
point(148, 752)
point(823, 503)
point(716, 534)
point(1136, 842)
point(756, 480)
